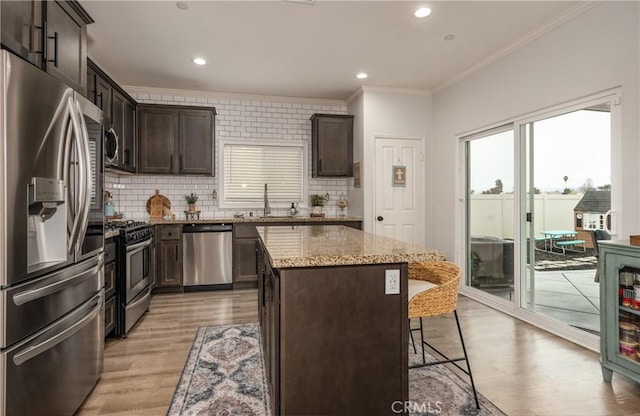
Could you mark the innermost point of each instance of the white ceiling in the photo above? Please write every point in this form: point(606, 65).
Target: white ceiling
point(281, 48)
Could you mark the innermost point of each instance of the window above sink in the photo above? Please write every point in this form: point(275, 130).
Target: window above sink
point(247, 165)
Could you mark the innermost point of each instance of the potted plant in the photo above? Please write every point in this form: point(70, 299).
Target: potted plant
point(317, 202)
point(191, 200)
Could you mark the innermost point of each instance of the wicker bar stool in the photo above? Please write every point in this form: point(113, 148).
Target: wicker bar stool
point(433, 291)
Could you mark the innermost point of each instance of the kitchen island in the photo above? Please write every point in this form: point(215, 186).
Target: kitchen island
point(335, 335)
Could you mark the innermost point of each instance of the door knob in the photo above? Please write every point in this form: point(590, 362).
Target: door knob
point(380, 218)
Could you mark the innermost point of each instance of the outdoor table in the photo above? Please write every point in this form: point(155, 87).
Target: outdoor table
point(553, 235)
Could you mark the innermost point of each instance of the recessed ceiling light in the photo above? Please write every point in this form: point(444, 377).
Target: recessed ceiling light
point(199, 61)
point(362, 75)
point(182, 5)
point(450, 36)
point(422, 12)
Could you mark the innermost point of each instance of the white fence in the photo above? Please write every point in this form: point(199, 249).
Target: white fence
point(493, 215)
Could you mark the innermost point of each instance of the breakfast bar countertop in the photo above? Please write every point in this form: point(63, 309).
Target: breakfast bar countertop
point(335, 245)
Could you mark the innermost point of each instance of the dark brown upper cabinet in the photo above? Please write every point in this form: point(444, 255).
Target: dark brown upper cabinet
point(103, 95)
point(120, 119)
point(176, 140)
point(123, 117)
point(332, 145)
point(20, 20)
point(91, 84)
point(50, 34)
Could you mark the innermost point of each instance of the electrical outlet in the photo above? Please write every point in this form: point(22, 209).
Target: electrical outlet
point(392, 282)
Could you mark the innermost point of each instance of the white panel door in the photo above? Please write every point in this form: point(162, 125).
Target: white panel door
point(399, 189)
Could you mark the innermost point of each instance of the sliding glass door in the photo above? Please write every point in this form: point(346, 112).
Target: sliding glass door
point(567, 196)
point(537, 193)
point(490, 205)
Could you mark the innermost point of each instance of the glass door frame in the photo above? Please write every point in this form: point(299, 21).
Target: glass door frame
point(514, 308)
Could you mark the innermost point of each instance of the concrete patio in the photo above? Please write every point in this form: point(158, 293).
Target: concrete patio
point(569, 296)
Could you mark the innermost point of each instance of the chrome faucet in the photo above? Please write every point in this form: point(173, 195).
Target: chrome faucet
point(267, 208)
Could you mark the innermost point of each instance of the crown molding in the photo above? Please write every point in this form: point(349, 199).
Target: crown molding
point(397, 91)
point(357, 93)
point(552, 24)
point(231, 96)
point(385, 90)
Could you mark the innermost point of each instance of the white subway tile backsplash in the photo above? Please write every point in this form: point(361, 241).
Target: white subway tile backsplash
point(237, 119)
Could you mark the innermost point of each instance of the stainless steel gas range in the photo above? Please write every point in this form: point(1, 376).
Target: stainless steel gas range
point(135, 276)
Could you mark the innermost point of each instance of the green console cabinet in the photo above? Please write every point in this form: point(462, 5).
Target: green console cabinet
point(619, 267)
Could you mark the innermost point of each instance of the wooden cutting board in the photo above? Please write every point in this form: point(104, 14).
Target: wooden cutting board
point(158, 206)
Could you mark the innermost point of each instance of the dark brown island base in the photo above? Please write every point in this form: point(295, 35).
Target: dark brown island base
point(334, 330)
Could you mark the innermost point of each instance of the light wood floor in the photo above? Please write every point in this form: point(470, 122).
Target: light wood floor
point(523, 370)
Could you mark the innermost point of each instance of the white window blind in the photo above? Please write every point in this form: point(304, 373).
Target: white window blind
point(248, 167)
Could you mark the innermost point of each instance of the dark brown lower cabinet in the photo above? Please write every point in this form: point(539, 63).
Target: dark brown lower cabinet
point(109, 315)
point(169, 256)
point(245, 265)
point(110, 268)
point(334, 343)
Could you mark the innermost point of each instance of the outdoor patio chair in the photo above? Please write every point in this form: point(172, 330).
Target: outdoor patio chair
point(433, 291)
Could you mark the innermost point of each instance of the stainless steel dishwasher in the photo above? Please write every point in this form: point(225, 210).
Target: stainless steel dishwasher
point(207, 256)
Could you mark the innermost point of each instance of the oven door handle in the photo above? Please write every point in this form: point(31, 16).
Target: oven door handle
point(142, 299)
point(38, 349)
point(31, 295)
point(133, 249)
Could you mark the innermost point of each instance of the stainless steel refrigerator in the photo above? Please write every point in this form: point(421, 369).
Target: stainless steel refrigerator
point(51, 246)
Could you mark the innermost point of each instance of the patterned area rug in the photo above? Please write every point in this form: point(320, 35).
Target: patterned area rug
point(225, 375)
point(438, 390)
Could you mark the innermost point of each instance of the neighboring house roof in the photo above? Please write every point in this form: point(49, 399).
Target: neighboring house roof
point(595, 201)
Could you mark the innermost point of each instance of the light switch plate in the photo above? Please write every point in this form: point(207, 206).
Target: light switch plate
point(392, 282)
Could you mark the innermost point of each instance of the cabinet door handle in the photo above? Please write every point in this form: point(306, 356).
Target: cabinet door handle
point(171, 163)
point(319, 165)
point(55, 49)
point(126, 156)
point(101, 105)
point(177, 254)
point(43, 52)
point(181, 162)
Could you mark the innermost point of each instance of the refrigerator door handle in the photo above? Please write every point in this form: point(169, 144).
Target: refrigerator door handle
point(33, 351)
point(84, 145)
point(66, 177)
point(75, 230)
point(31, 295)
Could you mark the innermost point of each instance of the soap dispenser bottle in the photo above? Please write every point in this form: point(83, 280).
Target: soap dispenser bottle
point(293, 211)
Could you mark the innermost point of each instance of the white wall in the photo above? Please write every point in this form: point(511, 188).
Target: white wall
point(355, 107)
point(391, 113)
point(239, 117)
point(595, 51)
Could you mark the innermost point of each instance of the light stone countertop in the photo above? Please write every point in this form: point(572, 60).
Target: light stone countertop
point(249, 220)
point(335, 245)
point(112, 233)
